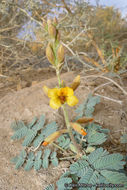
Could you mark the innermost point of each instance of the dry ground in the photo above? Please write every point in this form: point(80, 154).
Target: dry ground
point(30, 101)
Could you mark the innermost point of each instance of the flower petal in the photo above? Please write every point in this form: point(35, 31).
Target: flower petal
point(52, 93)
point(70, 91)
point(72, 100)
point(55, 103)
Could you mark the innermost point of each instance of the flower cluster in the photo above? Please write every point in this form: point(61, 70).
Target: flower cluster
point(54, 50)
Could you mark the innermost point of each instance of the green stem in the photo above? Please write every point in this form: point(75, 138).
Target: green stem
point(59, 147)
point(66, 158)
point(58, 77)
point(70, 130)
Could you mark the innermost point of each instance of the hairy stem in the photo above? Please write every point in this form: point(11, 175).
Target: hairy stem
point(77, 148)
point(58, 77)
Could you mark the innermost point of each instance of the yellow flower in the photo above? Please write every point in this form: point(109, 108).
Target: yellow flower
point(59, 96)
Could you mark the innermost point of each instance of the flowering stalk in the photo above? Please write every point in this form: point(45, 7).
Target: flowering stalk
point(60, 96)
point(58, 77)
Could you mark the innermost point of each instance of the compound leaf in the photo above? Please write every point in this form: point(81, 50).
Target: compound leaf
point(46, 155)
point(29, 137)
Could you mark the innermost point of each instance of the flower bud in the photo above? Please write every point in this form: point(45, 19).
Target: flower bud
point(53, 137)
point(49, 54)
point(58, 36)
point(60, 54)
point(77, 127)
point(55, 21)
point(75, 83)
point(52, 31)
point(85, 120)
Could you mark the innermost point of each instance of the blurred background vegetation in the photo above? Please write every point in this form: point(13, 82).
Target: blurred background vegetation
point(94, 36)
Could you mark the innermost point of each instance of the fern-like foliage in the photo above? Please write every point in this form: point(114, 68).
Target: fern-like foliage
point(63, 183)
point(78, 167)
point(19, 160)
point(50, 187)
point(33, 122)
point(46, 155)
point(34, 134)
point(39, 125)
point(17, 125)
point(20, 131)
point(87, 107)
point(64, 141)
point(90, 178)
point(30, 135)
point(48, 130)
point(101, 159)
point(98, 168)
point(115, 178)
point(54, 159)
point(38, 161)
point(96, 135)
point(30, 161)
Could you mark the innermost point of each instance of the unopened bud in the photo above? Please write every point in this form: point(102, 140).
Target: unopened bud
point(49, 54)
point(49, 21)
point(53, 137)
point(52, 31)
point(55, 21)
point(75, 83)
point(77, 127)
point(60, 54)
point(58, 36)
point(85, 120)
